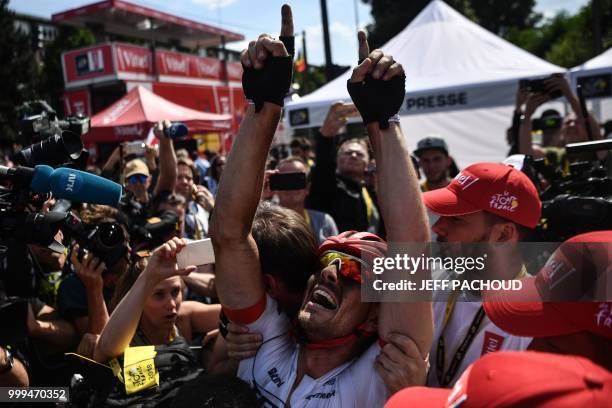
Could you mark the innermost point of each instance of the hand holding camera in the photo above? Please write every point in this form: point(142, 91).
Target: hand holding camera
point(377, 85)
point(337, 117)
point(268, 66)
point(88, 268)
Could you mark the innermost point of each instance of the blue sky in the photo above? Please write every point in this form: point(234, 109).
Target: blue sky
point(250, 18)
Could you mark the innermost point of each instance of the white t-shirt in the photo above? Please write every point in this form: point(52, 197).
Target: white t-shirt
point(490, 338)
point(273, 370)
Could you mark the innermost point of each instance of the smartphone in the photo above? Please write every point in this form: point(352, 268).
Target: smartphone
point(135, 148)
point(196, 253)
point(288, 181)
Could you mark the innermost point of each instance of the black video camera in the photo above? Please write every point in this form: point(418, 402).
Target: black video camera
point(573, 203)
point(52, 141)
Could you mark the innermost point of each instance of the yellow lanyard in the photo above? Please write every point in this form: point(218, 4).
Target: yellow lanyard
point(307, 217)
point(450, 304)
point(368, 203)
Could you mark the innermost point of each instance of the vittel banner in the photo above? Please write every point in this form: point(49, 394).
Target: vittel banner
point(184, 65)
point(132, 59)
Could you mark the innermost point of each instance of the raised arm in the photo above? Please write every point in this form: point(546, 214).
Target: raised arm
point(122, 325)
point(534, 101)
point(167, 159)
point(399, 193)
point(238, 274)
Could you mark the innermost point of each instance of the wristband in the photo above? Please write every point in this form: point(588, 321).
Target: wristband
point(394, 119)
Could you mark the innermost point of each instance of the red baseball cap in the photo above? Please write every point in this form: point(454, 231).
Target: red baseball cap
point(568, 295)
point(518, 379)
point(497, 188)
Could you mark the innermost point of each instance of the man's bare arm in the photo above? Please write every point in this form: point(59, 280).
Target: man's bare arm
point(167, 160)
point(238, 274)
point(399, 200)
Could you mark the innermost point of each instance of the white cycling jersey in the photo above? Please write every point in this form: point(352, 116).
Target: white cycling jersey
point(273, 370)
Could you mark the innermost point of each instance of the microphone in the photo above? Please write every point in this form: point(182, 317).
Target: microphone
point(27, 176)
point(176, 130)
point(83, 187)
point(71, 184)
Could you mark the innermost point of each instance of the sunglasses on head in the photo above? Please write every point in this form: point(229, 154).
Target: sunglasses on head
point(137, 178)
point(348, 265)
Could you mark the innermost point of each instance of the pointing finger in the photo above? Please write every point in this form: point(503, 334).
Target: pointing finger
point(364, 48)
point(287, 21)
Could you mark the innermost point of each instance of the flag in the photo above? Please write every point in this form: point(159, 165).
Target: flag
point(300, 63)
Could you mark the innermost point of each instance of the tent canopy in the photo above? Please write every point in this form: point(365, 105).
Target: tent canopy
point(131, 117)
point(443, 50)
point(603, 60)
point(461, 82)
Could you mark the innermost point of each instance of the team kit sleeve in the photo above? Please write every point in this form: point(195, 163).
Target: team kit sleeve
point(265, 318)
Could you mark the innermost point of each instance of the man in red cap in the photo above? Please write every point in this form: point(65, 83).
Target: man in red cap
point(329, 357)
point(565, 307)
point(518, 379)
point(485, 203)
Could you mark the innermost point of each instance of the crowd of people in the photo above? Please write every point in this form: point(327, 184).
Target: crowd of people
point(279, 318)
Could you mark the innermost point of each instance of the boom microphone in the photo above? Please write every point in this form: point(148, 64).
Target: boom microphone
point(71, 184)
point(83, 187)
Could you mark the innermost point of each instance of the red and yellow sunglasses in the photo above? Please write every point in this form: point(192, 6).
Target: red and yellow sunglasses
point(348, 265)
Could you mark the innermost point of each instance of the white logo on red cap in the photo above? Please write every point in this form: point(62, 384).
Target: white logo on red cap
point(492, 343)
point(604, 315)
point(504, 201)
point(465, 180)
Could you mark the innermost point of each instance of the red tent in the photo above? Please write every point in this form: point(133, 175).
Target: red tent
point(131, 117)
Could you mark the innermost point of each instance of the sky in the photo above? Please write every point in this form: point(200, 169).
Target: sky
point(250, 18)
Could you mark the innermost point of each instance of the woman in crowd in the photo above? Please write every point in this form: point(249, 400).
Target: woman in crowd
point(152, 311)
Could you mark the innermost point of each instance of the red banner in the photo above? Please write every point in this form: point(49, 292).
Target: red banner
point(77, 102)
point(133, 59)
point(87, 64)
point(184, 65)
point(234, 71)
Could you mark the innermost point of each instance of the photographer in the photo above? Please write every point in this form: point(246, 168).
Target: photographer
point(573, 129)
point(199, 201)
point(138, 178)
point(338, 177)
point(291, 197)
point(85, 291)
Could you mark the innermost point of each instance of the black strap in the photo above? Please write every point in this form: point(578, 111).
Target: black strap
point(445, 378)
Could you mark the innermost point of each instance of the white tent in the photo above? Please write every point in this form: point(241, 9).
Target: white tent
point(461, 82)
point(595, 78)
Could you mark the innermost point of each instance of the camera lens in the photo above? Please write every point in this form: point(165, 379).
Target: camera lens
point(110, 235)
point(54, 150)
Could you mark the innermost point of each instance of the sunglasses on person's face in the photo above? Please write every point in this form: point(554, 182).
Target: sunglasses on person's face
point(137, 178)
point(348, 266)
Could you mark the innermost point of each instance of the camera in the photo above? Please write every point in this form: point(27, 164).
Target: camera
point(135, 148)
point(539, 86)
point(106, 240)
point(573, 203)
point(52, 141)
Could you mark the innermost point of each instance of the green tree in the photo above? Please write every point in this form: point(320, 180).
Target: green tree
point(18, 72)
point(392, 16)
point(566, 40)
point(52, 79)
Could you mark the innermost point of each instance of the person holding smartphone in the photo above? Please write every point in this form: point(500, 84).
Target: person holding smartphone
point(289, 182)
